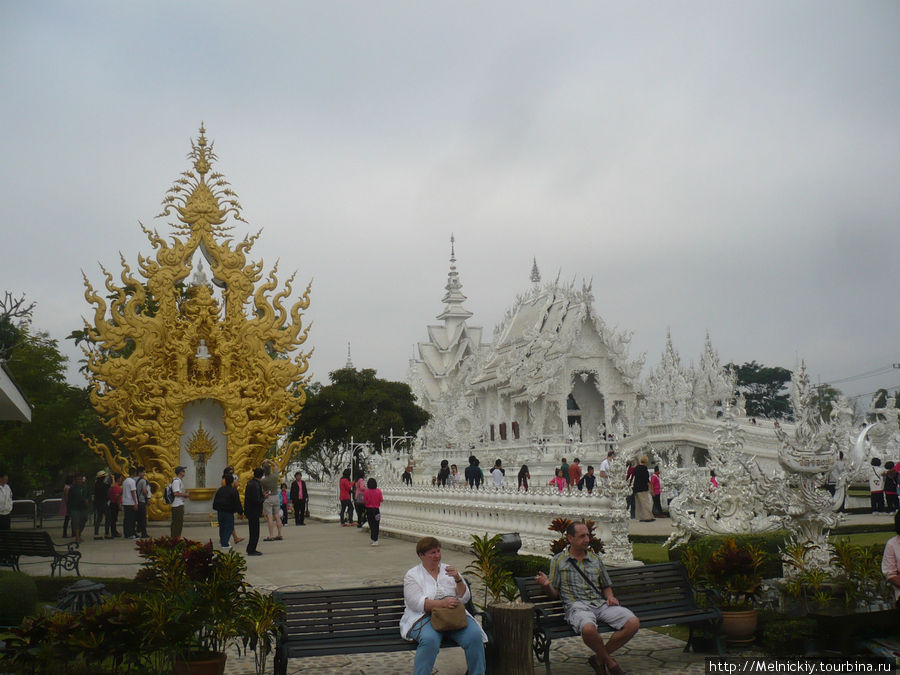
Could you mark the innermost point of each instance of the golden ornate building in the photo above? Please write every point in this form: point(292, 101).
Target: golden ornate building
point(195, 371)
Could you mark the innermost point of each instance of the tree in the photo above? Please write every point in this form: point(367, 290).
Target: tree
point(356, 404)
point(766, 389)
point(15, 315)
point(38, 453)
point(823, 397)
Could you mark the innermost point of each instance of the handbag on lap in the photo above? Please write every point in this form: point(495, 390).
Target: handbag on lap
point(449, 619)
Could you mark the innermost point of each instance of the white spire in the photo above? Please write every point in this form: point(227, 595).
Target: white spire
point(454, 297)
point(349, 363)
point(535, 272)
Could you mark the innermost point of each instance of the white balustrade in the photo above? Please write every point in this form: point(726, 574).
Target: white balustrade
point(454, 514)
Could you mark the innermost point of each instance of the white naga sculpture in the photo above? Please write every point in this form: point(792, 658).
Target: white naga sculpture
point(792, 497)
point(735, 506)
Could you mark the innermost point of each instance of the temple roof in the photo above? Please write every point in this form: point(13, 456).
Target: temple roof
point(540, 333)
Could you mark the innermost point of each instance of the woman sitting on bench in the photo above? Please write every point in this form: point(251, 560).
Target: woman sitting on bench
point(433, 585)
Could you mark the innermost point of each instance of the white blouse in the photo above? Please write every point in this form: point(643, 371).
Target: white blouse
point(419, 585)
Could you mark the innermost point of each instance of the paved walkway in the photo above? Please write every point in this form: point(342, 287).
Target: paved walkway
point(326, 555)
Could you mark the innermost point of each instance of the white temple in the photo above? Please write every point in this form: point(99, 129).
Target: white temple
point(554, 372)
point(557, 381)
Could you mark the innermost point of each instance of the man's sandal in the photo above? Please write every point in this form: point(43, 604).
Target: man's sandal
point(599, 668)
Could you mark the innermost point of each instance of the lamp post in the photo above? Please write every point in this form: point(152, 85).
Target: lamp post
point(356, 448)
point(395, 441)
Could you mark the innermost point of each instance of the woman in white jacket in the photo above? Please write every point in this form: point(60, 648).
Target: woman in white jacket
point(427, 586)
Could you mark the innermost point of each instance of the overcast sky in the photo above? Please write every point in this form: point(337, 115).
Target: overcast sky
point(730, 167)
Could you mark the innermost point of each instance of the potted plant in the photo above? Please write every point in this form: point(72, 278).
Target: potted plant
point(733, 571)
point(509, 622)
point(194, 597)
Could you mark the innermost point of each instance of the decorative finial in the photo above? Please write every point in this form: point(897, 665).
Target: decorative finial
point(535, 272)
point(349, 363)
point(201, 155)
point(453, 283)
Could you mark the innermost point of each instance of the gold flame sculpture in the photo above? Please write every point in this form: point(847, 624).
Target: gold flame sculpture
point(160, 342)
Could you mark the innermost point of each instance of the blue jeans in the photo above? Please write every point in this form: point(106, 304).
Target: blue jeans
point(469, 638)
point(226, 527)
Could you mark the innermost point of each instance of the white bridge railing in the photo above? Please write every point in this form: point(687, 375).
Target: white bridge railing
point(454, 514)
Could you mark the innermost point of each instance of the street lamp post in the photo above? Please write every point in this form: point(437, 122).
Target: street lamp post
point(356, 448)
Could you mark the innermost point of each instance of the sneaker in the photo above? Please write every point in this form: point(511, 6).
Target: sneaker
point(374, 543)
point(225, 548)
point(253, 553)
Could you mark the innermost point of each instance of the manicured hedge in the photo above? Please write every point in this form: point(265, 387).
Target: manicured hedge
point(526, 565)
point(18, 597)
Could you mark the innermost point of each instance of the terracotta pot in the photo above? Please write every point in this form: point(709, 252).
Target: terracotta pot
point(739, 627)
point(201, 664)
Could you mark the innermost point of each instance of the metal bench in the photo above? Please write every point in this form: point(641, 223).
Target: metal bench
point(342, 621)
point(37, 543)
point(659, 594)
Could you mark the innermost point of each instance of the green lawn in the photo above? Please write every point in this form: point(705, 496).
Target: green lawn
point(652, 552)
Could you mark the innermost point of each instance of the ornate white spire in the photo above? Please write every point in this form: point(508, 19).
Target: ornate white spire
point(349, 363)
point(535, 272)
point(454, 297)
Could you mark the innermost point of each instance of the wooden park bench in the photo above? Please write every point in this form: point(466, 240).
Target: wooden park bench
point(658, 594)
point(342, 621)
point(37, 543)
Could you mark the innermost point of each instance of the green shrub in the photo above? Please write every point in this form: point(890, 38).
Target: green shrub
point(784, 635)
point(770, 543)
point(525, 565)
point(18, 597)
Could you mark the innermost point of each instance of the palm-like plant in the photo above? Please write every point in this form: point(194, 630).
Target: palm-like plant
point(488, 569)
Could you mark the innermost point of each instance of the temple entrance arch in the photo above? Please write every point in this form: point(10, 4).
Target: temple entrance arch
point(591, 403)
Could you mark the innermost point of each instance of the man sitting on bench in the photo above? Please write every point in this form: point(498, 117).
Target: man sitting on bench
point(579, 577)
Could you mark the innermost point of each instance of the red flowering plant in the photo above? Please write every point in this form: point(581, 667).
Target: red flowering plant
point(194, 595)
point(562, 524)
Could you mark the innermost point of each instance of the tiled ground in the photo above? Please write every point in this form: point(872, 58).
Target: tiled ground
point(648, 652)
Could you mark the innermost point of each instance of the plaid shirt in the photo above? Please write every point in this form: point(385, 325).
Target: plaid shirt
point(571, 585)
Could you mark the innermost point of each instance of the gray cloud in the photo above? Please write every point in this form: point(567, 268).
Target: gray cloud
point(723, 167)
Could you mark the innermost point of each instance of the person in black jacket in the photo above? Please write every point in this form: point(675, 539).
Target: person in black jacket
point(474, 475)
point(299, 498)
point(226, 503)
point(253, 502)
point(101, 504)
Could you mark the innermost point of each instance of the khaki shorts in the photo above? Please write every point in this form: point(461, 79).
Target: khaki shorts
point(582, 613)
point(272, 505)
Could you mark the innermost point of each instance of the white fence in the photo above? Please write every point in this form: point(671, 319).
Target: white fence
point(454, 514)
